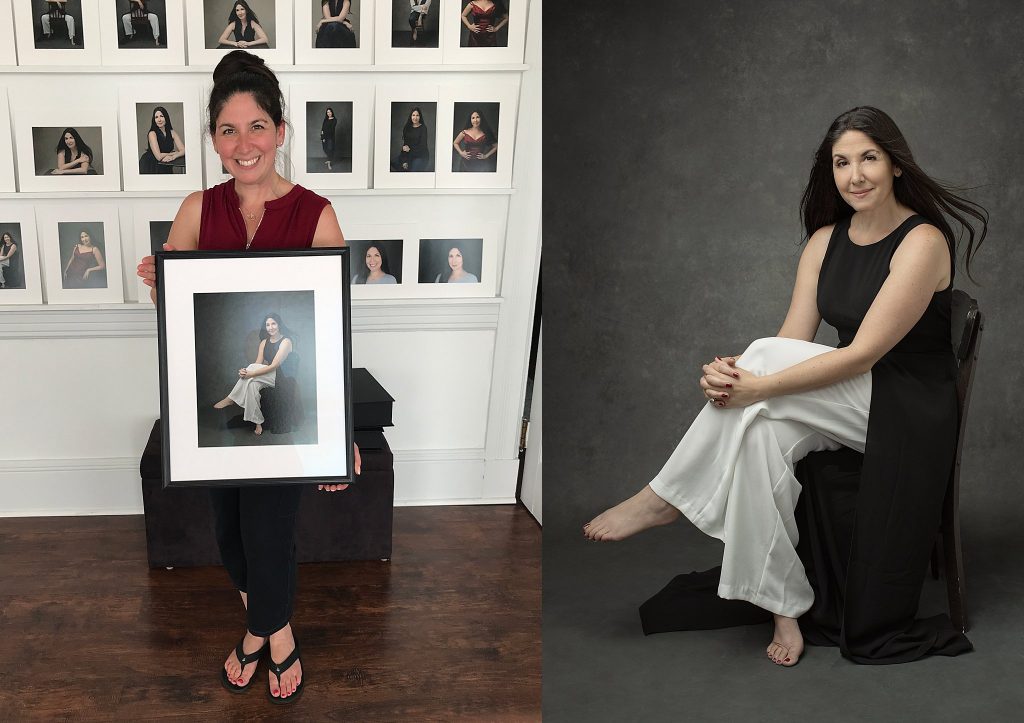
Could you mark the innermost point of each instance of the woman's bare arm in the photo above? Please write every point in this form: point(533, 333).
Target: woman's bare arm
point(328, 232)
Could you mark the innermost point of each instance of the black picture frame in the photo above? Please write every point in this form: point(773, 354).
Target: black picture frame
point(204, 293)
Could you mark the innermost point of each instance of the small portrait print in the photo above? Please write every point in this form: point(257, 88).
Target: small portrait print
point(140, 23)
point(410, 137)
point(414, 23)
point(377, 261)
point(83, 260)
point(161, 147)
point(335, 23)
point(450, 261)
point(66, 151)
point(249, 24)
point(12, 266)
point(475, 148)
point(255, 368)
point(58, 24)
point(158, 233)
point(484, 24)
point(329, 137)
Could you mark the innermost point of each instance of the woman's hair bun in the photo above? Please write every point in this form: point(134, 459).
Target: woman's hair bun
point(239, 61)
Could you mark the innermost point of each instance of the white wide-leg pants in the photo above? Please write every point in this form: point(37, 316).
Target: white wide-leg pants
point(246, 393)
point(732, 474)
point(154, 22)
point(68, 20)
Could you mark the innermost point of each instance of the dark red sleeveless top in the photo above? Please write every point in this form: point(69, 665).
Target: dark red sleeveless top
point(288, 223)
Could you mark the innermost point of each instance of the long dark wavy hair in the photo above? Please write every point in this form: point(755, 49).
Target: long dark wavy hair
point(491, 136)
point(167, 122)
point(250, 16)
point(364, 273)
point(80, 145)
point(242, 72)
point(822, 205)
point(447, 273)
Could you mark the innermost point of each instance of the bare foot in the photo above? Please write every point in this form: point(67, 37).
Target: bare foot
point(236, 674)
point(282, 643)
point(640, 512)
point(259, 429)
point(225, 402)
point(787, 644)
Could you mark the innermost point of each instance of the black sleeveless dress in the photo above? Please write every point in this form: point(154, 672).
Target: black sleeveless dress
point(867, 529)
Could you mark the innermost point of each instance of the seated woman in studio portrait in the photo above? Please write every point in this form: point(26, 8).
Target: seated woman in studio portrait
point(275, 346)
point(483, 19)
point(476, 144)
point(165, 144)
point(418, 12)
point(85, 268)
point(414, 155)
point(74, 157)
point(878, 266)
point(455, 273)
point(334, 29)
point(243, 29)
point(57, 12)
point(137, 10)
point(375, 268)
point(8, 248)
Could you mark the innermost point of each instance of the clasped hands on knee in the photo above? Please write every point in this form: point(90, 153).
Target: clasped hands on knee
point(726, 385)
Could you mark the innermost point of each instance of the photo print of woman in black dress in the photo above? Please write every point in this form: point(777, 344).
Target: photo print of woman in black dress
point(482, 24)
point(329, 136)
point(74, 156)
point(243, 29)
point(164, 145)
point(335, 28)
point(413, 145)
point(12, 275)
point(476, 143)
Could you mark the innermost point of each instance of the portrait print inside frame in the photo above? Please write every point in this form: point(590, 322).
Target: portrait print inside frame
point(475, 137)
point(414, 23)
point(19, 255)
point(232, 416)
point(451, 260)
point(12, 257)
point(83, 255)
point(376, 261)
point(141, 24)
point(484, 23)
point(336, 23)
point(67, 150)
point(58, 25)
point(412, 144)
point(246, 24)
point(329, 136)
point(160, 138)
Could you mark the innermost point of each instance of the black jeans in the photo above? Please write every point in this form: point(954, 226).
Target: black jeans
point(256, 536)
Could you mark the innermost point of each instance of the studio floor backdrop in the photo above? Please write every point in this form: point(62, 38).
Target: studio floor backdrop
point(694, 125)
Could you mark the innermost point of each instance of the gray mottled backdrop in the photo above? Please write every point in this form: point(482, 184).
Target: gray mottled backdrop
point(675, 155)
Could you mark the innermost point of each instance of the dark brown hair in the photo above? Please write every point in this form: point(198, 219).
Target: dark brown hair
point(242, 72)
point(822, 205)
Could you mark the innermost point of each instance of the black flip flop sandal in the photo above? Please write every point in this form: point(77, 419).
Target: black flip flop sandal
point(278, 669)
point(244, 660)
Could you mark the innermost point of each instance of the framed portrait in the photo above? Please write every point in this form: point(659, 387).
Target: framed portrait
point(67, 147)
point(332, 135)
point(334, 32)
point(215, 27)
point(8, 56)
point(142, 32)
point(255, 360)
point(19, 255)
point(380, 260)
point(405, 138)
point(6, 151)
point(81, 252)
point(451, 259)
point(407, 32)
point(479, 128)
point(57, 32)
point(484, 31)
point(151, 223)
point(161, 137)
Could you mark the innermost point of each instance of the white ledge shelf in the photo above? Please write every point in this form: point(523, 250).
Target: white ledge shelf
point(135, 320)
point(278, 68)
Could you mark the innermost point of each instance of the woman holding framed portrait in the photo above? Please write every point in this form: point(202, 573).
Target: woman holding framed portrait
point(256, 209)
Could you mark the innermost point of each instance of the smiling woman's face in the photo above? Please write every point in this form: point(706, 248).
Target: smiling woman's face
point(158, 118)
point(415, 117)
point(455, 259)
point(239, 11)
point(246, 140)
point(373, 259)
point(863, 172)
point(69, 140)
point(84, 238)
point(272, 326)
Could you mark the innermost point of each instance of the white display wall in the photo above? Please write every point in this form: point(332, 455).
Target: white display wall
point(81, 382)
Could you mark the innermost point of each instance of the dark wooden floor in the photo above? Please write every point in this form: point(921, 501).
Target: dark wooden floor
point(448, 630)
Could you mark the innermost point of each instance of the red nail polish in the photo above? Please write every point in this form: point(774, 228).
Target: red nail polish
point(736, 374)
point(787, 660)
point(728, 385)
